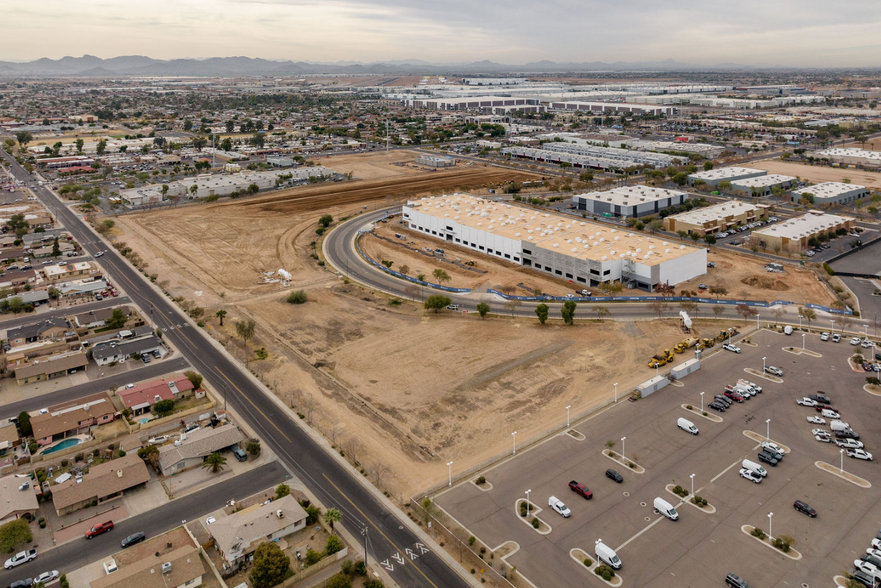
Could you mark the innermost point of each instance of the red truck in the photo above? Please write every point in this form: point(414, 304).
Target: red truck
point(580, 489)
point(98, 529)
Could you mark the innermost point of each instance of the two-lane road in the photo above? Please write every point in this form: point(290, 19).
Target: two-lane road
point(321, 473)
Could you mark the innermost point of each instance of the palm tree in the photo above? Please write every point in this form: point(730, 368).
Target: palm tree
point(214, 462)
point(332, 516)
point(220, 314)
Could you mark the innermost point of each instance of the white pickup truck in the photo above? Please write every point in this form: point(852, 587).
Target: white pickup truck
point(557, 505)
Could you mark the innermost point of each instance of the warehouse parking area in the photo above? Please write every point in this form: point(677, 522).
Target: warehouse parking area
point(701, 547)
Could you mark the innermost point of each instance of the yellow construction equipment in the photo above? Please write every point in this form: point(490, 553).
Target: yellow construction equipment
point(706, 343)
point(660, 359)
point(686, 344)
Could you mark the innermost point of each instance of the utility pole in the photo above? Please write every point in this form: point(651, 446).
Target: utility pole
point(386, 136)
point(364, 532)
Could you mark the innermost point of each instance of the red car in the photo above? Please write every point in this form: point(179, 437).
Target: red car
point(734, 396)
point(580, 489)
point(822, 407)
point(114, 293)
point(98, 529)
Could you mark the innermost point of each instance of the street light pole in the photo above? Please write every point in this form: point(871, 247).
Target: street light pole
point(757, 320)
point(770, 533)
point(616, 392)
point(799, 322)
point(803, 341)
point(702, 402)
point(763, 365)
point(768, 435)
point(514, 435)
point(692, 484)
point(527, 502)
point(623, 439)
point(567, 415)
point(841, 468)
point(450, 468)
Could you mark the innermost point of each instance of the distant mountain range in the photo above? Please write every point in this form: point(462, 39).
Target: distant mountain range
point(138, 65)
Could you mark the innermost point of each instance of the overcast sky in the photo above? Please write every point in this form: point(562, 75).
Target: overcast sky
point(812, 33)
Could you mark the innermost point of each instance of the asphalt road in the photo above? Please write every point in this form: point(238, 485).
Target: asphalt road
point(74, 554)
point(322, 474)
point(19, 320)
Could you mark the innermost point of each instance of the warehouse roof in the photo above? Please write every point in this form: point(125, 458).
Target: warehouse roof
point(727, 173)
point(829, 189)
point(849, 152)
point(716, 212)
point(764, 181)
point(553, 231)
point(631, 195)
point(806, 225)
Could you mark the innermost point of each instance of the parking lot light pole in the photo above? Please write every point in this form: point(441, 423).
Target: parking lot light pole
point(623, 439)
point(768, 436)
point(799, 322)
point(514, 435)
point(702, 402)
point(616, 392)
point(770, 534)
point(803, 341)
point(527, 502)
point(757, 320)
point(763, 365)
point(567, 415)
point(841, 468)
point(450, 468)
point(692, 485)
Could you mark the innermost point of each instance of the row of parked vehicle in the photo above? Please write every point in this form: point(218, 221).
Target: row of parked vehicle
point(841, 432)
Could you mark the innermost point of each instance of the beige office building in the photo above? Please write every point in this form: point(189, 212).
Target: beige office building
point(715, 219)
point(794, 234)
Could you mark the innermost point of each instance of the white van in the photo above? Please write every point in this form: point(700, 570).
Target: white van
point(838, 426)
point(754, 467)
point(687, 426)
point(666, 509)
point(744, 390)
point(607, 555)
point(787, 330)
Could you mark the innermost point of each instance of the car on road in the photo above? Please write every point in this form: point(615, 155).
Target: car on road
point(824, 336)
point(829, 414)
point(849, 444)
point(132, 539)
point(613, 475)
point(20, 558)
point(774, 371)
point(453, 307)
point(735, 581)
point(716, 405)
point(855, 341)
point(26, 583)
point(836, 338)
point(859, 454)
point(47, 577)
point(99, 529)
point(99, 254)
point(580, 489)
point(769, 459)
point(820, 398)
point(557, 505)
point(806, 401)
point(815, 420)
point(750, 475)
point(733, 348)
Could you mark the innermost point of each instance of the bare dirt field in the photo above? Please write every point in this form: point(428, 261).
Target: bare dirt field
point(373, 166)
point(819, 173)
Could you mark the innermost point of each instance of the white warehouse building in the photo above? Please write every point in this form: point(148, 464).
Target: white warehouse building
point(833, 193)
point(629, 201)
point(714, 177)
point(585, 253)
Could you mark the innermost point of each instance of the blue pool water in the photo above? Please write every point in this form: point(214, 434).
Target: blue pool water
point(62, 445)
point(145, 420)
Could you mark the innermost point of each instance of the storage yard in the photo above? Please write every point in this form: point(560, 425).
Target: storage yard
point(819, 173)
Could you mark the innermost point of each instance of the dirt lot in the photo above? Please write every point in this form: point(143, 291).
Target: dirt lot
point(819, 173)
point(373, 166)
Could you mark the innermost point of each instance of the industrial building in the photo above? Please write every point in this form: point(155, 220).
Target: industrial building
point(612, 108)
point(794, 234)
point(850, 156)
point(704, 149)
point(629, 201)
point(434, 161)
point(714, 177)
point(625, 156)
point(621, 160)
point(762, 185)
point(832, 193)
point(582, 252)
point(715, 219)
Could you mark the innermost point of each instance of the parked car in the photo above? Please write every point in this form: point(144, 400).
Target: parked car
point(829, 414)
point(855, 341)
point(239, 453)
point(20, 558)
point(158, 440)
point(733, 348)
point(25, 583)
point(716, 405)
point(557, 505)
point(613, 475)
point(820, 398)
point(99, 529)
point(145, 358)
point(734, 396)
point(724, 400)
point(816, 420)
point(823, 438)
point(859, 454)
point(192, 427)
point(735, 581)
point(849, 443)
point(836, 338)
point(821, 407)
point(824, 336)
point(769, 459)
point(774, 371)
point(750, 475)
point(580, 489)
point(820, 432)
point(132, 539)
point(805, 508)
point(773, 447)
point(848, 434)
point(47, 577)
point(806, 401)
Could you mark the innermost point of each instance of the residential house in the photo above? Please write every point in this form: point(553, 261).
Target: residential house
point(35, 297)
point(54, 273)
point(51, 367)
point(238, 535)
point(103, 482)
point(140, 398)
point(171, 560)
point(192, 449)
point(81, 288)
point(95, 319)
point(116, 351)
point(9, 437)
point(16, 500)
point(52, 328)
point(73, 418)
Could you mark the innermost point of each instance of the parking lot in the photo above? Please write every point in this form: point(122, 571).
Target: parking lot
point(699, 548)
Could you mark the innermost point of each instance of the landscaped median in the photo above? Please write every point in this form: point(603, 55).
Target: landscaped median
point(627, 463)
point(705, 414)
point(838, 471)
point(800, 351)
point(760, 374)
point(482, 483)
point(540, 527)
point(682, 493)
point(783, 544)
point(761, 439)
point(602, 571)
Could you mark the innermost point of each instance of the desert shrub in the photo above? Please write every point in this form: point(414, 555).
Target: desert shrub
point(535, 523)
point(588, 562)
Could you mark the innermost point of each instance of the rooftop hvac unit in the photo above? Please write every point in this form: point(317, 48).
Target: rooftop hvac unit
point(490, 227)
point(602, 239)
point(279, 513)
point(682, 246)
point(629, 234)
point(118, 473)
point(611, 253)
point(586, 246)
point(166, 567)
point(605, 257)
point(556, 245)
point(617, 238)
point(575, 250)
point(666, 251)
point(639, 250)
point(478, 224)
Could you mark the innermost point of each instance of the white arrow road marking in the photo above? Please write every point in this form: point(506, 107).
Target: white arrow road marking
point(399, 559)
point(387, 565)
point(411, 554)
point(422, 548)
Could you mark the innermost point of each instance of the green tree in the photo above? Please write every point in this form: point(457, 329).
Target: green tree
point(188, 125)
point(541, 311)
point(195, 379)
point(441, 276)
point(724, 186)
point(253, 189)
point(601, 311)
point(271, 566)
point(56, 148)
point(340, 580)
point(162, 408)
point(79, 145)
point(253, 447)
point(199, 142)
point(809, 315)
point(101, 147)
point(568, 312)
point(23, 138)
point(230, 126)
point(245, 330)
point(24, 424)
point(56, 248)
point(220, 314)
point(483, 309)
point(333, 545)
point(331, 516)
point(297, 297)
point(164, 190)
point(708, 165)
point(226, 144)
point(681, 178)
point(117, 319)
point(282, 490)
point(436, 302)
point(193, 189)
point(13, 534)
point(325, 220)
point(214, 462)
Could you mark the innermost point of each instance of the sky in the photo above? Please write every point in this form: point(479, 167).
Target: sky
point(801, 33)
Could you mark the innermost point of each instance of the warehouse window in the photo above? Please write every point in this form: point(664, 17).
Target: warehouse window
point(595, 272)
point(527, 252)
point(558, 272)
point(434, 232)
point(580, 279)
point(548, 269)
point(518, 259)
point(507, 256)
point(457, 240)
point(480, 247)
point(569, 276)
point(607, 272)
point(537, 266)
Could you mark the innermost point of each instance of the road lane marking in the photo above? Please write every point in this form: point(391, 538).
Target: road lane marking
point(411, 554)
point(398, 558)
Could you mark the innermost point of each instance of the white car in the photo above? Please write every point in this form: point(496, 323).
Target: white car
point(875, 552)
point(823, 438)
point(830, 414)
point(158, 440)
point(866, 567)
point(557, 505)
point(20, 558)
point(99, 254)
point(806, 402)
point(855, 341)
point(129, 386)
point(849, 443)
point(773, 447)
point(865, 343)
point(820, 432)
point(876, 543)
point(750, 475)
point(824, 337)
point(815, 420)
point(733, 348)
point(46, 577)
point(859, 454)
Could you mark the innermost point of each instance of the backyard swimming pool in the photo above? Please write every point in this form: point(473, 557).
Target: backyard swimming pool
point(63, 444)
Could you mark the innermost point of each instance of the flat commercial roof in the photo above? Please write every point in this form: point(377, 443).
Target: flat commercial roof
point(850, 152)
point(829, 189)
point(765, 181)
point(553, 231)
point(716, 212)
point(727, 173)
point(631, 195)
point(803, 226)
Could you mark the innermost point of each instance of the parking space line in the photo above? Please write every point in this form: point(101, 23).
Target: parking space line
point(647, 527)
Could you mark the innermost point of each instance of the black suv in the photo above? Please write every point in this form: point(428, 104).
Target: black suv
point(821, 398)
point(736, 581)
point(613, 475)
point(847, 435)
point(716, 405)
point(724, 400)
point(805, 508)
point(132, 539)
point(768, 459)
